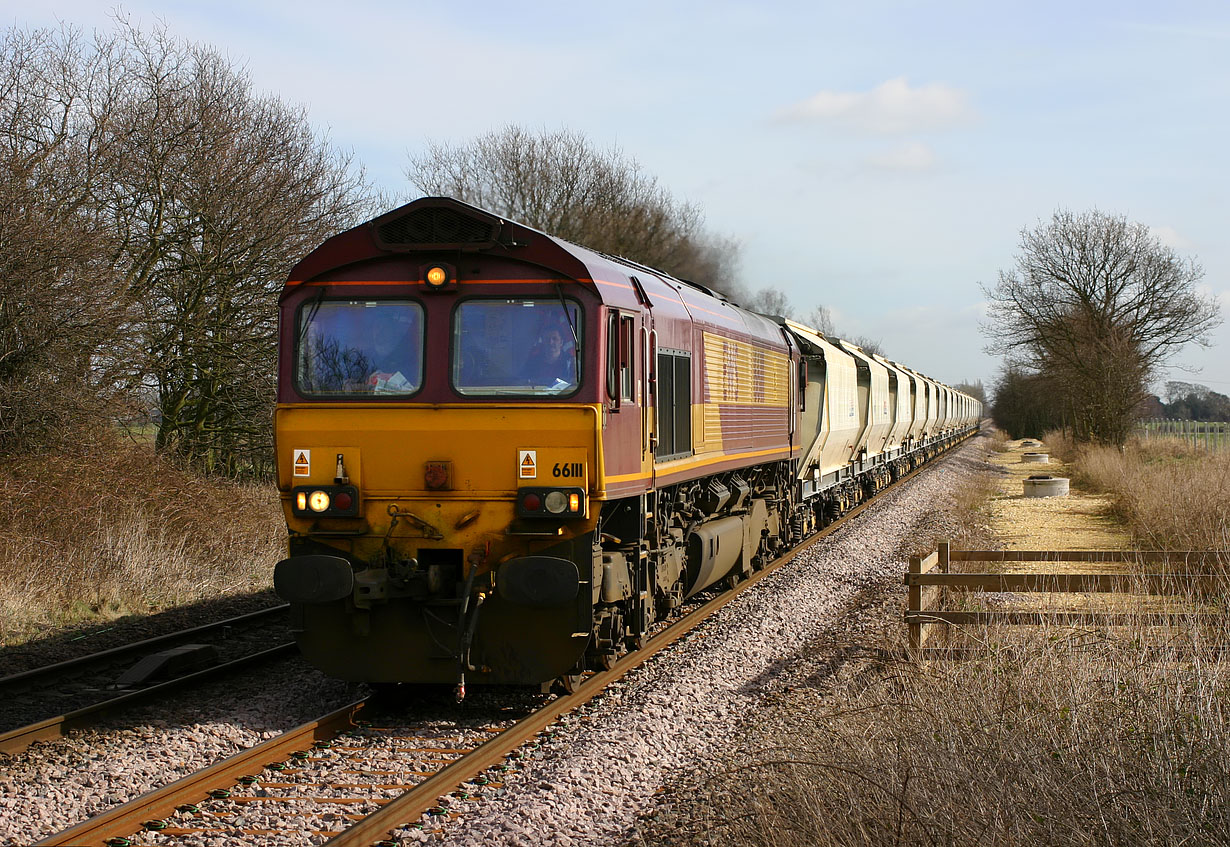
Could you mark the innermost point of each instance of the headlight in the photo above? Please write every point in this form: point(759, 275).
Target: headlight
point(326, 501)
point(550, 503)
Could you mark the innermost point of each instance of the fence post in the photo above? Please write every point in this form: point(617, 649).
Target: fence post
point(943, 559)
point(914, 602)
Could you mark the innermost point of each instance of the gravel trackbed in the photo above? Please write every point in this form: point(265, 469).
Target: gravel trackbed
point(603, 769)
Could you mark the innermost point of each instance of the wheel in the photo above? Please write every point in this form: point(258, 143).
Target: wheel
point(568, 683)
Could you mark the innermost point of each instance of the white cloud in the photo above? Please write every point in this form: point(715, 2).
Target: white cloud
point(1171, 237)
point(911, 156)
point(891, 107)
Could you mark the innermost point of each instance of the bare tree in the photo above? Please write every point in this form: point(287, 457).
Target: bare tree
point(821, 318)
point(560, 183)
point(1025, 404)
point(1188, 401)
point(870, 346)
point(155, 206)
point(220, 192)
point(770, 301)
point(1095, 304)
point(60, 300)
point(974, 389)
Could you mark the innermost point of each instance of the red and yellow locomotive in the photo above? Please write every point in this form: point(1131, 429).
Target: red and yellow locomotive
point(503, 456)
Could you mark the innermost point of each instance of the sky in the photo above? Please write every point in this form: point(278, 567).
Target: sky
point(876, 158)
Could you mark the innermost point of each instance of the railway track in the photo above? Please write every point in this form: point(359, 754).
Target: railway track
point(359, 774)
point(44, 703)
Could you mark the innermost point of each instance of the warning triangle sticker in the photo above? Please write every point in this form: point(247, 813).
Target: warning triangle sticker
point(527, 464)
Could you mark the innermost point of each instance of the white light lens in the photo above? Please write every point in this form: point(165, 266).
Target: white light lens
point(556, 502)
point(318, 501)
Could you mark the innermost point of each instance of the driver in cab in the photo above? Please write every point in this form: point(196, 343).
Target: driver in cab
point(553, 361)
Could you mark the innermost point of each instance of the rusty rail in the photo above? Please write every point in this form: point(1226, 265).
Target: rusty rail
point(17, 740)
point(161, 802)
point(407, 808)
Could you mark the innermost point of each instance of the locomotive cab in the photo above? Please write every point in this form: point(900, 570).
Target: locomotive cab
point(438, 436)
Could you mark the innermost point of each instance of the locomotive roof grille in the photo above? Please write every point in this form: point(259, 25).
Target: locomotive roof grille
point(433, 227)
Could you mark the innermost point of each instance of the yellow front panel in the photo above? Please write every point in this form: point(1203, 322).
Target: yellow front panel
point(387, 449)
point(396, 442)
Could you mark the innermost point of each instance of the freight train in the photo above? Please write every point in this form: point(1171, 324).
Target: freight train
point(504, 457)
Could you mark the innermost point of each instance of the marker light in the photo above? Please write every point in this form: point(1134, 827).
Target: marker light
point(301, 500)
point(437, 276)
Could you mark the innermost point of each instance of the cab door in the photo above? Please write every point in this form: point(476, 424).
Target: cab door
point(625, 440)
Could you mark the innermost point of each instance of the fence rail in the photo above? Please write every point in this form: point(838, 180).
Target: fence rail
point(1213, 435)
point(928, 581)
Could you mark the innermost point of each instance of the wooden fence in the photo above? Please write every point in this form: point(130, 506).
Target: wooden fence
point(930, 583)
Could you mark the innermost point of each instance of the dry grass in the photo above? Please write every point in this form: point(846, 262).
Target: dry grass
point(1061, 446)
point(1171, 495)
point(964, 519)
point(112, 530)
point(1057, 741)
point(1050, 735)
point(999, 441)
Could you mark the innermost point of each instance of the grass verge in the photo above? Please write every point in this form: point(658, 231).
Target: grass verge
point(1052, 735)
point(113, 530)
point(1055, 741)
point(1171, 495)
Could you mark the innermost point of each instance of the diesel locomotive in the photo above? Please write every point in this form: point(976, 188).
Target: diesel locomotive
point(503, 457)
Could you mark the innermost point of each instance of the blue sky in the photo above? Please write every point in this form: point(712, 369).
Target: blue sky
point(878, 158)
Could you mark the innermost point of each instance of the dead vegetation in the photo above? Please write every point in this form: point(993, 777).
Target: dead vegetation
point(1056, 741)
point(1170, 494)
point(1051, 735)
point(110, 529)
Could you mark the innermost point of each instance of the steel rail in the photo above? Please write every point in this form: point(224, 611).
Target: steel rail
point(17, 740)
point(134, 648)
point(410, 806)
point(161, 802)
point(129, 817)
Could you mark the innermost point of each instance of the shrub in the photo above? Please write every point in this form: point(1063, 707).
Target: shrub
point(1172, 496)
point(114, 529)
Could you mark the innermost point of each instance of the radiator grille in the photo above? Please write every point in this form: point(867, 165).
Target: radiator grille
point(435, 226)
